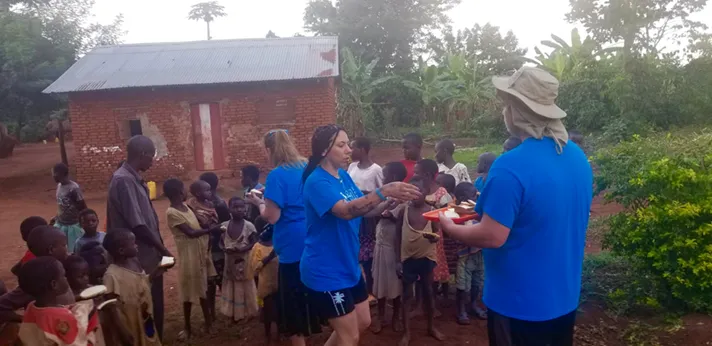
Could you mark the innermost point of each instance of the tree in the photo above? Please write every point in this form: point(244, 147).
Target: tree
point(494, 53)
point(358, 90)
point(641, 25)
point(271, 34)
point(207, 12)
point(39, 40)
point(386, 30)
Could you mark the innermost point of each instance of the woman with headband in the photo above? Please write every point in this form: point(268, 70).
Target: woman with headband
point(334, 207)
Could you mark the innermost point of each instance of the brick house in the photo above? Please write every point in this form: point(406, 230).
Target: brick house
point(206, 104)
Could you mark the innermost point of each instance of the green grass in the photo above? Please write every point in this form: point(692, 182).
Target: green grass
point(468, 156)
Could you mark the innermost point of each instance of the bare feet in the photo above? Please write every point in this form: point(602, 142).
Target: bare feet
point(405, 340)
point(397, 325)
point(376, 326)
point(436, 334)
point(184, 335)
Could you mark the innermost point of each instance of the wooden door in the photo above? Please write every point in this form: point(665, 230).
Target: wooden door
point(207, 137)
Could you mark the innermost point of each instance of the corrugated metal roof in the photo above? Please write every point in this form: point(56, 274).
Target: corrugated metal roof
point(201, 62)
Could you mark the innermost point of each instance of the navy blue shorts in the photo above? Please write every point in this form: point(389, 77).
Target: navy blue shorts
point(337, 303)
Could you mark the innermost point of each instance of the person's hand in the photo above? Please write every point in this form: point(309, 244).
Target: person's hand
point(216, 230)
point(432, 237)
point(401, 191)
point(399, 269)
point(259, 267)
point(254, 199)
point(392, 203)
point(166, 253)
point(446, 223)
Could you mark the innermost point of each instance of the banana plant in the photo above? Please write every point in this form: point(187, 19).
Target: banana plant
point(431, 86)
point(358, 91)
point(468, 88)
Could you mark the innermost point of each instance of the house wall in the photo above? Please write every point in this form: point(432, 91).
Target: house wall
point(99, 118)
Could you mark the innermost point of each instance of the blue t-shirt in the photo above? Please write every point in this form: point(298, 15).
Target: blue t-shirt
point(545, 199)
point(284, 188)
point(330, 258)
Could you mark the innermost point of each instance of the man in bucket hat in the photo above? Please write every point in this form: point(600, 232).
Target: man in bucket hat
point(535, 207)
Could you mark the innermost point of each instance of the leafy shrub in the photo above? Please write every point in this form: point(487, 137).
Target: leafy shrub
point(665, 184)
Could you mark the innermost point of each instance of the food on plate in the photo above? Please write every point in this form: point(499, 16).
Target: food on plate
point(167, 261)
point(93, 292)
point(451, 214)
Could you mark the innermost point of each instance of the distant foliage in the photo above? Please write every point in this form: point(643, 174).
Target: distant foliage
point(665, 232)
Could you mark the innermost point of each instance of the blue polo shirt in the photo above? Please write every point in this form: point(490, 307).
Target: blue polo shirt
point(330, 258)
point(544, 198)
point(284, 188)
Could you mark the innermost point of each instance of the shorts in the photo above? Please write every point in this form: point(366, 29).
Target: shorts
point(470, 270)
point(295, 315)
point(413, 268)
point(337, 303)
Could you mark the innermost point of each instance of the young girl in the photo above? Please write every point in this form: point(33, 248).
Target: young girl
point(264, 263)
point(368, 176)
point(386, 284)
point(239, 294)
point(195, 263)
point(126, 281)
point(444, 151)
point(438, 197)
point(70, 201)
point(54, 318)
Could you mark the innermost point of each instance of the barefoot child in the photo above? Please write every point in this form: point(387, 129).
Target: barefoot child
point(97, 259)
point(386, 283)
point(484, 162)
point(195, 265)
point(202, 205)
point(239, 294)
point(126, 281)
point(250, 180)
point(77, 271)
point(437, 197)
point(89, 221)
point(53, 319)
point(26, 227)
point(470, 267)
point(444, 151)
point(265, 265)
point(412, 152)
point(368, 176)
point(70, 201)
point(416, 249)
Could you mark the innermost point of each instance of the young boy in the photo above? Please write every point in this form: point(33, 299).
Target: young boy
point(416, 249)
point(447, 182)
point(511, 143)
point(412, 153)
point(42, 241)
point(98, 260)
point(367, 175)
point(250, 180)
point(50, 320)
point(444, 151)
point(470, 266)
point(484, 163)
point(89, 221)
point(26, 227)
point(77, 273)
point(70, 201)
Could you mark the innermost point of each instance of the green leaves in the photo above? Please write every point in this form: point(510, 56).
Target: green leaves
point(666, 229)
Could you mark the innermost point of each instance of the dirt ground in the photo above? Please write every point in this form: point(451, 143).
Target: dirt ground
point(26, 189)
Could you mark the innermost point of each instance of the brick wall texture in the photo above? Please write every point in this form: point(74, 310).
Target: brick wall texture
point(98, 121)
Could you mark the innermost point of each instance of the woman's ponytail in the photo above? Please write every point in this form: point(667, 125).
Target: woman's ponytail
point(322, 141)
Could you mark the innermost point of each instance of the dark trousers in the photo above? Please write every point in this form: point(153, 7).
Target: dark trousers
point(506, 331)
point(157, 297)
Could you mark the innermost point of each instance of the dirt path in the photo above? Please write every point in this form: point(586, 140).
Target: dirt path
point(27, 189)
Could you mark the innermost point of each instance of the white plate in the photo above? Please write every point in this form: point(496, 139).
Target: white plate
point(167, 261)
point(105, 303)
point(93, 292)
point(256, 192)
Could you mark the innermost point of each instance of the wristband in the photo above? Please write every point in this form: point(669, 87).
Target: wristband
point(380, 194)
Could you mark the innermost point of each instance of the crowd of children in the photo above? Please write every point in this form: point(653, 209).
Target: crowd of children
point(406, 259)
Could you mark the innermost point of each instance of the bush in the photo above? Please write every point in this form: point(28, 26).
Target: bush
point(665, 184)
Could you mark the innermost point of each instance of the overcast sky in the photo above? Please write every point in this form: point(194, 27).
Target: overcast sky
point(166, 20)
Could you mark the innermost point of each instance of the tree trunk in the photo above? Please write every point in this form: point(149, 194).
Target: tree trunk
point(62, 148)
point(208, 23)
